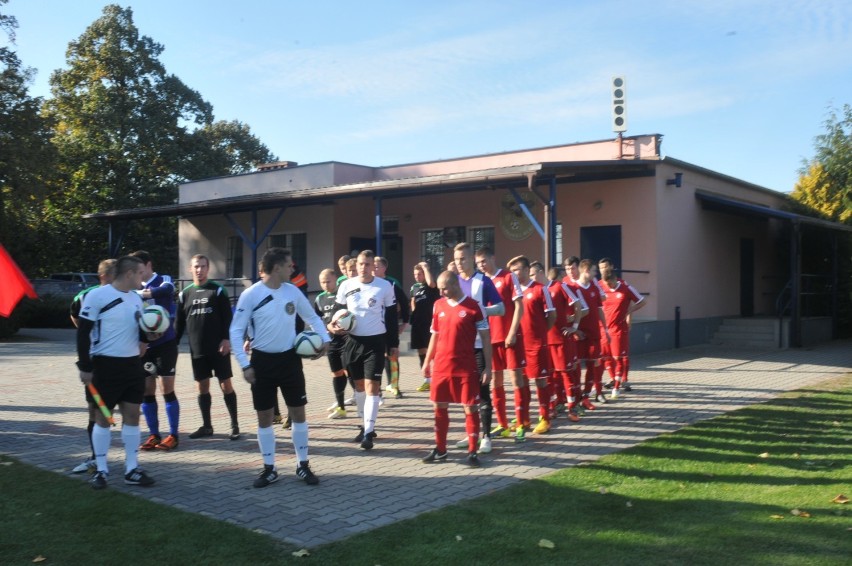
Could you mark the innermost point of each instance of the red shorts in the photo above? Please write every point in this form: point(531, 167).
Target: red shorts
point(464, 390)
point(606, 354)
point(619, 343)
point(557, 356)
point(538, 363)
point(589, 349)
point(570, 352)
point(503, 358)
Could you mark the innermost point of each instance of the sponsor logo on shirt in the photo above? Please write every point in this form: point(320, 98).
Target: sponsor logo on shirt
point(462, 314)
point(290, 308)
point(371, 302)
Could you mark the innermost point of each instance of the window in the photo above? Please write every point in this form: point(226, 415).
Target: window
point(558, 251)
point(480, 236)
point(601, 241)
point(297, 243)
point(432, 249)
point(235, 258)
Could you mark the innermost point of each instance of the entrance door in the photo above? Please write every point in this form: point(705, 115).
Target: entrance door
point(598, 242)
point(746, 277)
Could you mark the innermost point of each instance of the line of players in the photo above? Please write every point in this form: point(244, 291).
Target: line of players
point(533, 334)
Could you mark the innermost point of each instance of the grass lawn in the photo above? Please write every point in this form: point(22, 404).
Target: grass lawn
point(755, 486)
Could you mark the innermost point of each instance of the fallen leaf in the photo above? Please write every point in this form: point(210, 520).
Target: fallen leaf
point(764, 455)
point(799, 513)
point(630, 504)
point(776, 516)
point(602, 490)
point(751, 465)
point(458, 538)
point(544, 543)
point(301, 553)
point(796, 455)
point(840, 499)
point(39, 558)
point(836, 423)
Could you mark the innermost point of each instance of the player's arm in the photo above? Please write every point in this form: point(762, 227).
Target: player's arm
point(427, 275)
point(84, 343)
point(237, 330)
point(180, 321)
point(312, 319)
point(549, 309)
point(164, 290)
point(485, 336)
point(491, 298)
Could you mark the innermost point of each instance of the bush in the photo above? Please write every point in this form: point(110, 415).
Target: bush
point(49, 311)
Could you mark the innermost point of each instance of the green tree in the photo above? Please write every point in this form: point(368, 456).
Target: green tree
point(224, 148)
point(825, 182)
point(26, 154)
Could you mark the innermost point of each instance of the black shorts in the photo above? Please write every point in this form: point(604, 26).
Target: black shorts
point(335, 353)
point(164, 356)
point(206, 367)
point(277, 371)
point(420, 335)
point(364, 357)
point(118, 380)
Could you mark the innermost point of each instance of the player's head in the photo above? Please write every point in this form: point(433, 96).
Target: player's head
point(485, 260)
point(587, 269)
point(572, 266)
point(606, 268)
point(351, 268)
point(366, 265)
point(341, 263)
point(448, 285)
point(463, 258)
point(277, 262)
point(419, 274)
point(129, 271)
point(146, 259)
point(327, 280)
point(520, 266)
point(106, 271)
point(381, 266)
point(555, 273)
point(537, 271)
point(199, 267)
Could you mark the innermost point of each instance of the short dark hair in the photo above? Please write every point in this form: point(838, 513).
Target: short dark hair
point(586, 264)
point(537, 264)
point(127, 263)
point(522, 259)
point(200, 257)
point(484, 251)
point(571, 260)
point(273, 257)
point(605, 260)
point(143, 255)
point(367, 253)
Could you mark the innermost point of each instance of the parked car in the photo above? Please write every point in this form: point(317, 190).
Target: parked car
point(85, 279)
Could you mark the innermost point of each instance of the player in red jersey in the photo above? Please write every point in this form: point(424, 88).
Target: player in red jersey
point(570, 309)
point(457, 320)
point(507, 341)
point(589, 332)
point(539, 316)
point(621, 301)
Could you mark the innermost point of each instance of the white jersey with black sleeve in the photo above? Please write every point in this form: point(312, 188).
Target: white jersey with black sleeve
point(115, 315)
point(269, 317)
point(368, 302)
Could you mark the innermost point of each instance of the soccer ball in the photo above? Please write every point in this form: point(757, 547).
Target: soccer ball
point(154, 319)
point(308, 344)
point(344, 319)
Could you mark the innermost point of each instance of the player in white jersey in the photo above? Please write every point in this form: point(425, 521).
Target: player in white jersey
point(269, 308)
point(373, 303)
point(108, 357)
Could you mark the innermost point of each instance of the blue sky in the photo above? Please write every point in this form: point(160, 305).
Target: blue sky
point(740, 87)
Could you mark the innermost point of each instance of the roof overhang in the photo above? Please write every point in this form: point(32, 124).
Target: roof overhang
point(519, 176)
point(721, 203)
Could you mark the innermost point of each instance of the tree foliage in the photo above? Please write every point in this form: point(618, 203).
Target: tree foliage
point(26, 154)
point(825, 183)
point(127, 133)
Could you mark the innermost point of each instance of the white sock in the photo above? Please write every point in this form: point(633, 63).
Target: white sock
point(100, 442)
point(300, 440)
point(371, 411)
point(360, 396)
point(131, 436)
point(266, 441)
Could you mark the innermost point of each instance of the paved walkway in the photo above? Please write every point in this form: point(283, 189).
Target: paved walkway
point(43, 423)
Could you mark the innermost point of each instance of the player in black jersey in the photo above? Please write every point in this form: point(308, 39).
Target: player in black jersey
point(204, 314)
point(325, 306)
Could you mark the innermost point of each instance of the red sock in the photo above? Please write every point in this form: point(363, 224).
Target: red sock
point(471, 426)
point(625, 367)
point(590, 377)
point(442, 425)
point(543, 394)
point(519, 405)
point(525, 390)
point(499, 394)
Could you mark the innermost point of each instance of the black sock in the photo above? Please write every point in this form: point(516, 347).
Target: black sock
point(231, 404)
point(422, 358)
point(205, 400)
point(89, 430)
point(339, 384)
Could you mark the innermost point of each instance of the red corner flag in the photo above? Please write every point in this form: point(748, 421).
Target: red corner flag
point(14, 284)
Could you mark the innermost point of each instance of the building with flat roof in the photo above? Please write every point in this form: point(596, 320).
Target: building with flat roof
point(701, 246)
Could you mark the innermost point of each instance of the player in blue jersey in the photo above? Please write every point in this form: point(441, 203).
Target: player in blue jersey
point(160, 359)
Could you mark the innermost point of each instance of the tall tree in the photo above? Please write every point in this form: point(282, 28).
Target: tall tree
point(825, 182)
point(121, 123)
point(26, 155)
point(224, 148)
